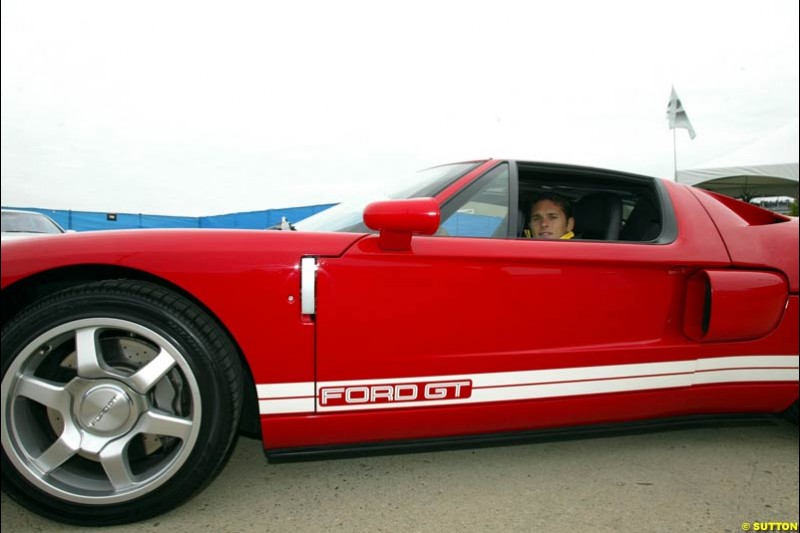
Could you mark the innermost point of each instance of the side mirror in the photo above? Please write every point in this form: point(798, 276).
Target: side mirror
point(398, 220)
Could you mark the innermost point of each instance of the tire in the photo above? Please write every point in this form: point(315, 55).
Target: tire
point(120, 400)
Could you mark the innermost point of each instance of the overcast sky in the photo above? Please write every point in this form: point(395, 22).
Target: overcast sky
point(199, 108)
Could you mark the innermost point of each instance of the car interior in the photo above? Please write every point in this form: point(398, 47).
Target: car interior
point(606, 207)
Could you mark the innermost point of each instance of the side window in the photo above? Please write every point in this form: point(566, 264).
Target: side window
point(482, 209)
point(603, 205)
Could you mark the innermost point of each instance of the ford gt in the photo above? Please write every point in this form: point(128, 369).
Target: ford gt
point(132, 359)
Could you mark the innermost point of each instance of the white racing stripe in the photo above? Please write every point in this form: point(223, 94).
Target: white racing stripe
point(746, 374)
point(753, 361)
point(284, 398)
point(526, 385)
point(286, 406)
point(286, 390)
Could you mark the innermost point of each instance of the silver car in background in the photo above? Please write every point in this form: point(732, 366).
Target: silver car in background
point(24, 224)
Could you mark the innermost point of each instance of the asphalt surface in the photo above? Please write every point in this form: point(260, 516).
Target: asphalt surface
point(708, 479)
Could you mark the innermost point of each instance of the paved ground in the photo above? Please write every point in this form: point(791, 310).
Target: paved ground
point(711, 479)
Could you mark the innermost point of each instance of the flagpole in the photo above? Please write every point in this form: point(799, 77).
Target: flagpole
point(674, 155)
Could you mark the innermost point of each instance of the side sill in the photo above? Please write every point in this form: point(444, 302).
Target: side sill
point(315, 453)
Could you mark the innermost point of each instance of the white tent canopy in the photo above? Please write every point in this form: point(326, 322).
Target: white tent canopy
point(767, 167)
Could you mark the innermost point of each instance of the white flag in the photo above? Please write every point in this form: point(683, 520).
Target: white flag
point(677, 115)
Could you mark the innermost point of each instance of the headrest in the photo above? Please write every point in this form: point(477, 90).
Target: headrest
point(598, 216)
point(644, 222)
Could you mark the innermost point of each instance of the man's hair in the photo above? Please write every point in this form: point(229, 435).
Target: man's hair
point(561, 201)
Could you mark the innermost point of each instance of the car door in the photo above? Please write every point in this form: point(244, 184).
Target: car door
point(466, 335)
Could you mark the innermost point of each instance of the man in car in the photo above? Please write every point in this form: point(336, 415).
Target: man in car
point(551, 218)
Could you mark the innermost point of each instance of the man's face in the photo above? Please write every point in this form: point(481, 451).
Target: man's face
point(548, 220)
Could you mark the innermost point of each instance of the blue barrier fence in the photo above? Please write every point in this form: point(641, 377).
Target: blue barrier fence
point(91, 221)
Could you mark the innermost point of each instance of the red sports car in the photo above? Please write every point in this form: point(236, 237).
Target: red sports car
point(132, 359)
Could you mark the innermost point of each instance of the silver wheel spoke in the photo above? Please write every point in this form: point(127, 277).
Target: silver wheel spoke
point(115, 464)
point(64, 448)
point(163, 424)
point(88, 357)
point(143, 380)
point(47, 393)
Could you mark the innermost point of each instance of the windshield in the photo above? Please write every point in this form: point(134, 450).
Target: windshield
point(347, 216)
point(14, 222)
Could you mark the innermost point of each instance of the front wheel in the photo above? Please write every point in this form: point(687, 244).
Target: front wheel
point(120, 399)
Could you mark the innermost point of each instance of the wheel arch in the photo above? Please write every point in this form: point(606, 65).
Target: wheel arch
point(18, 295)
